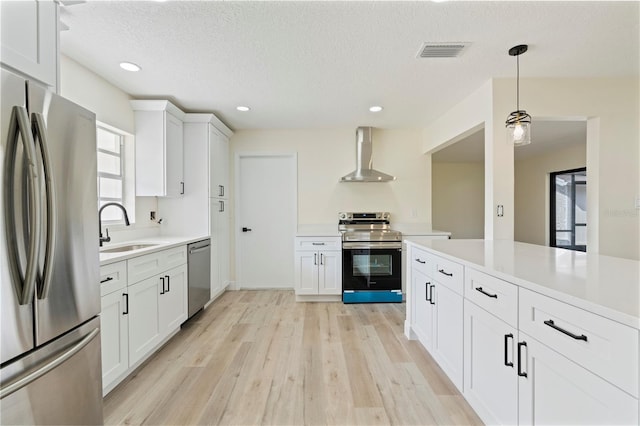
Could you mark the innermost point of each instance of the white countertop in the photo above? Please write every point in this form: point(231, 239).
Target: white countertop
point(319, 230)
point(607, 286)
point(162, 243)
point(418, 229)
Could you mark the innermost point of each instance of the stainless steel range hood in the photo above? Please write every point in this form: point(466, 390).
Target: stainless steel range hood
point(364, 165)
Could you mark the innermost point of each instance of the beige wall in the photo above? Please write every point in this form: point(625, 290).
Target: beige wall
point(611, 107)
point(532, 190)
point(458, 198)
point(324, 156)
point(93, 92)
point(111, 106)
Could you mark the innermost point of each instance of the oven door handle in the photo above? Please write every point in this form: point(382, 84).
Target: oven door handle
point(372, 245)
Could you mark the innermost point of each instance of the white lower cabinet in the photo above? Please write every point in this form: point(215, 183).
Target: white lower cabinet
point(490, 376)
point(144, 317)
point(158, 305)
point(114, 331)
point(318, 272)
point(422, 308)
point(139, 316)
point(528, 358)
point(437, 319)
point(558, 391)
point(173, 303)
point(447, 331)
point(318, 263)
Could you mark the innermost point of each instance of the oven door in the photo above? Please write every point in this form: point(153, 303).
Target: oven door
point(371, 266)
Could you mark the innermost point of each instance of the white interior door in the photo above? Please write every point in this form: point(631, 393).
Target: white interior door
point(267, 210)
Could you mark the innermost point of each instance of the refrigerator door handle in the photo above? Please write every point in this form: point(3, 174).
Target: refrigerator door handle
point(33, 375)
point(40, 135)
point(19, 129)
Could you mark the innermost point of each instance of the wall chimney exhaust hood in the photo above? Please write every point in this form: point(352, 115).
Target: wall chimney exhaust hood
point(364, 165)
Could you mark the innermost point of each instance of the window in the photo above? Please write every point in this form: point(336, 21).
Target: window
point(569, 209)
point(114, 183)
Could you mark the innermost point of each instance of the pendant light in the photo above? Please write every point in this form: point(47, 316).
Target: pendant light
point(519, 122)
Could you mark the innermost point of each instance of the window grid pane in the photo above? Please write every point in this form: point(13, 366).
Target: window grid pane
point(110, 172)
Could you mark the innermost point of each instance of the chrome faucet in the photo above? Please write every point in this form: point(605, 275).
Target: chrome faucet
point(126, 221)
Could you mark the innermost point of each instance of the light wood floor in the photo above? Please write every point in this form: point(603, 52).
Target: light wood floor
point(258, 357)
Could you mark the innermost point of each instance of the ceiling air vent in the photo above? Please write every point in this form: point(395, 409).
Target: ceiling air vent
point(441, 50)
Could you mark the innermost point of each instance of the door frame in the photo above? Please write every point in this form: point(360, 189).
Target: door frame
point(292, 156)
point(552, 234)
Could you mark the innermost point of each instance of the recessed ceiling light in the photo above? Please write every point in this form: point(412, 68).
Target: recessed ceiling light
point(130, 66)
point(243, 108)
point(375, 108)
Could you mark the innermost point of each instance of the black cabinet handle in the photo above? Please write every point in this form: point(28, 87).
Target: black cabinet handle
point(445, 273)
point(506, 350)
point(495, 296)
point(244, 229)
point(181, 188)
point(168, 283)
point(162, 279)
point(421, 261)
point(551, 324)
point(106, 280)
point(315, 258)
point(520, 372)
point(431, 299)
point(126, 304)
point(426, 291)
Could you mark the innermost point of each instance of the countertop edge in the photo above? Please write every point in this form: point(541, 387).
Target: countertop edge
point(606, 312)
point(164, 243)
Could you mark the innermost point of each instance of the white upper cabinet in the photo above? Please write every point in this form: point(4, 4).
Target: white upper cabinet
point(159, 149)
point(219, 165)
point(30, 39)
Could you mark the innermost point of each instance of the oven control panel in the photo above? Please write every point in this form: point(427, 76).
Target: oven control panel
point(364, 217)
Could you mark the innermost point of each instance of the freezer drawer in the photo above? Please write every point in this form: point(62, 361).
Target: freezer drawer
point(59, 383)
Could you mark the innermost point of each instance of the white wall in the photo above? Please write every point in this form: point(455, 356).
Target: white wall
point(458, 198)
point(111, 106)
point(532, 189)
point(324, 156)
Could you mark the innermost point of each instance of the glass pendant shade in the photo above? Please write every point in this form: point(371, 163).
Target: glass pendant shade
point(519, 128)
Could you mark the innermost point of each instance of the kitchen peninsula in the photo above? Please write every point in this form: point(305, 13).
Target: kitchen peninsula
point(529, 333)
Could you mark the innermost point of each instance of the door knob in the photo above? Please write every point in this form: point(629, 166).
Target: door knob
point(246, 229)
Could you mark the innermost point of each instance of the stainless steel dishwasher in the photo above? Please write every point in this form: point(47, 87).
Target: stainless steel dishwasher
point(199, 275)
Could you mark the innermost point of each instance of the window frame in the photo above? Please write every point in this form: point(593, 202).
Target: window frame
point(126, 181)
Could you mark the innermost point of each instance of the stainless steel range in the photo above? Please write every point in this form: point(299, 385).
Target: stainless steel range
point(371, 258)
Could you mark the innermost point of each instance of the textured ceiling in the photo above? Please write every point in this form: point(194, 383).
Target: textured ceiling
point(322, 64)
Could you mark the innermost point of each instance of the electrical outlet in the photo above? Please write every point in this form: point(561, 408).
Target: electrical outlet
point(152, 215)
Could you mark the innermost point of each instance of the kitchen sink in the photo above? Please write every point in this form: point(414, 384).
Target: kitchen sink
point(129, 247)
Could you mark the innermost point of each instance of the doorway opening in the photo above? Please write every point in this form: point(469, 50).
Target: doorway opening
point(568, 224)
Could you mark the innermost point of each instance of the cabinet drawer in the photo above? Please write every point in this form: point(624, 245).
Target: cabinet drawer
point(607, 348)
point(113, 277)
point(492, 294)
point(448, 273)
point(422, 261)
point(143, 267)
point(318, 243)
point(174, 257)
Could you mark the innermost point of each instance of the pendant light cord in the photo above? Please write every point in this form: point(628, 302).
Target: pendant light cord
point(518, 83)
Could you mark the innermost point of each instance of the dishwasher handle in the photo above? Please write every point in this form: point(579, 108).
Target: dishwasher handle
point(199, 249)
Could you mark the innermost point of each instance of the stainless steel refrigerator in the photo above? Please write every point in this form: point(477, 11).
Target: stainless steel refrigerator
point(50, 368)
